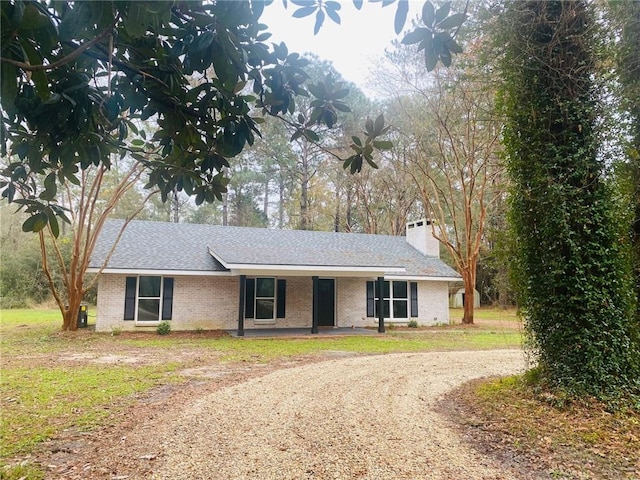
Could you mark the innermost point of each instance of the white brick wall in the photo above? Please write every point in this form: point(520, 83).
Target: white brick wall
point(433, 303)
point(207, 302)
point(351, 303)
point(211, 303)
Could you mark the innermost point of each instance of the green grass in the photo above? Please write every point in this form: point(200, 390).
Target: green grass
point(41, 396)
point(28, 324)
point(38, 402)
point(30, 317)
point(264, 350)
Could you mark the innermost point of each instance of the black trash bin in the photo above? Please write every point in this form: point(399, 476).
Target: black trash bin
point(83, 314)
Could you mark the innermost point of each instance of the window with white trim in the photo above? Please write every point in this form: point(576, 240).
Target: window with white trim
point(400, 299)
point(148, 298)
point(265, 298)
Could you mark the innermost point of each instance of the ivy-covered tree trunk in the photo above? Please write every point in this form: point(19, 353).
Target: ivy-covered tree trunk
point(571, 274)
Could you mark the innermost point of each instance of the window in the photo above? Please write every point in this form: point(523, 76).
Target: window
point(399, 299)
point(265, 298)
point(148, 298)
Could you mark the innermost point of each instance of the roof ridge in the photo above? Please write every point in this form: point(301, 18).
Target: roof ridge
point(261, 229)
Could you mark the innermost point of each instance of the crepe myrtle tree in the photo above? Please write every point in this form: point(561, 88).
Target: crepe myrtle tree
point(78, 77)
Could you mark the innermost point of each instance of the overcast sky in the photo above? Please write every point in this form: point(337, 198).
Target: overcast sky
point(352, 46)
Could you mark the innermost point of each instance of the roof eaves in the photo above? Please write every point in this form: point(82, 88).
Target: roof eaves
point(149, 271)
point(432, 278)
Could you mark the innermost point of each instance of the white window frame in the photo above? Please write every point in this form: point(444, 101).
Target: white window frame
point(273, 299)
point(138, 298)
point(392, 299)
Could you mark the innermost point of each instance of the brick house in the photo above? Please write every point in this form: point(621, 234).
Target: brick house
point(236, 278)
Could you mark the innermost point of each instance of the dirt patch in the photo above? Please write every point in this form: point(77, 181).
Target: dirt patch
point(108, 359)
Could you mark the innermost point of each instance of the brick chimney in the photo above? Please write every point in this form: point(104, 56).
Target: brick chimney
point(420, 237)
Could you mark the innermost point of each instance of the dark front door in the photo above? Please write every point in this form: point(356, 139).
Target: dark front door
point(326, 302)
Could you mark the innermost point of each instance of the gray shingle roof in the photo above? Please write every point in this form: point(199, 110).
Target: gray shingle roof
point(185, 247)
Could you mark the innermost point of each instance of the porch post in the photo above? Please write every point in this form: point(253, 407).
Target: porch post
point(316, 306)
point(243, 281)
point(380, 288)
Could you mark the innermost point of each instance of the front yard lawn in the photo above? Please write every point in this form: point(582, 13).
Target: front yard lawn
point(54, 380)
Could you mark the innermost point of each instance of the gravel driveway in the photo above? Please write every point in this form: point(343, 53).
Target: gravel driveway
point(366, 417)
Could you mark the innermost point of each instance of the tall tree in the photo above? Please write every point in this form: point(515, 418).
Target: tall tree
point(572, 283)
point(88, 205)
point(449, 136)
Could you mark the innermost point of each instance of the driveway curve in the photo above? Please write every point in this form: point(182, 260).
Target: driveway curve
point(366, 417)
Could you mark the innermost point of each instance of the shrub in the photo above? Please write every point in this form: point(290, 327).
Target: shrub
point(164, 328)
point(412, 324)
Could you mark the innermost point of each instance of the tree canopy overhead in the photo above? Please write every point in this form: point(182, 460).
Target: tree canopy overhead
point(77, 76)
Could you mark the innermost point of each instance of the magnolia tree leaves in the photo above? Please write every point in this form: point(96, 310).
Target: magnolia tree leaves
point(79, 77)
point(364, 149)
point(434, 38)
point(321, 10)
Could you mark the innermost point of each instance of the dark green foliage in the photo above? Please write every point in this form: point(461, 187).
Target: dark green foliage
point(573, 284)
point(22, 282)
point(434, 39)
point(77, 77)
point(163, 328)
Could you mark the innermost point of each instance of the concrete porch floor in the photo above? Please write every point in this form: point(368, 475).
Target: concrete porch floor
point(303, 332)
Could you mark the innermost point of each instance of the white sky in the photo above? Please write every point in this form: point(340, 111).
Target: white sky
point(352, 46)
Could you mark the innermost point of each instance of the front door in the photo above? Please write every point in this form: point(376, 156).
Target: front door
point(326, 302)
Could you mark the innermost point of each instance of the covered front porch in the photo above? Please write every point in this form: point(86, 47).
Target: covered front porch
point(321, 311)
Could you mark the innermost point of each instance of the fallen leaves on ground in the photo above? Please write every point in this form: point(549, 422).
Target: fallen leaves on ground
point(536, 434)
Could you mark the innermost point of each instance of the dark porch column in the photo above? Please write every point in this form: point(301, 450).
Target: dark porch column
point(241, 301)
point(316, 306)
point(380, 289)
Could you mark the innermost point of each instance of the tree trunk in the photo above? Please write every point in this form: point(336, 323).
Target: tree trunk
point(70, 311)
point(348, 214)
point(281, 202)
point(225, 209)
point(336, 218)
point(304, 199)
point(636, 226)
point(468, 277)
point(265, 205)
point(175, 206)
